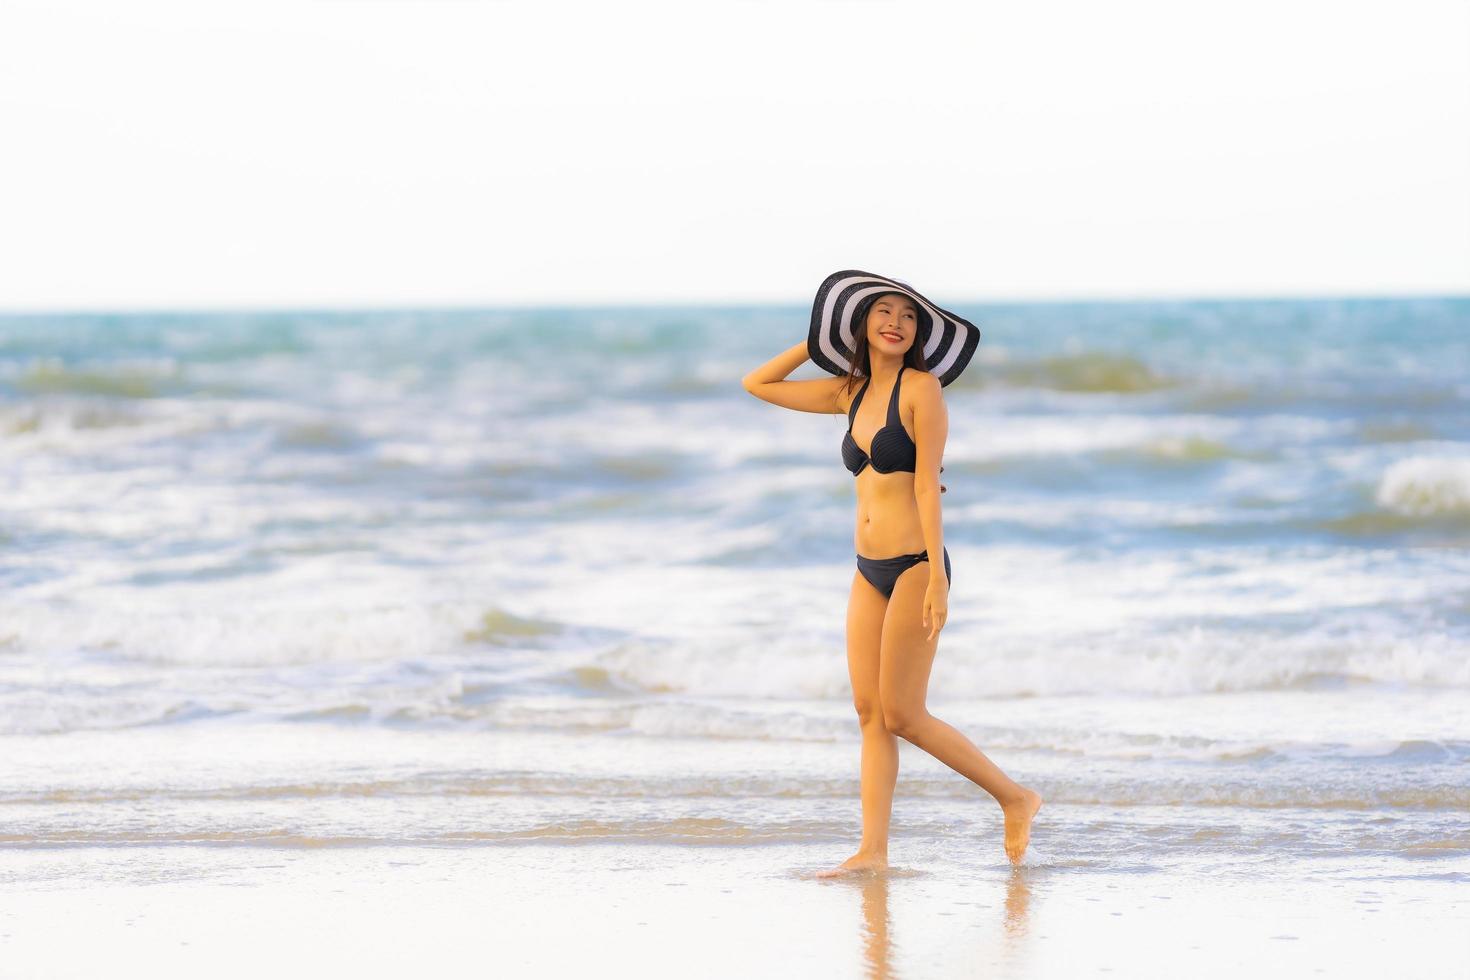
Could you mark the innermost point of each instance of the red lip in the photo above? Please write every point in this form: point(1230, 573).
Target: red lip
point(890, 339)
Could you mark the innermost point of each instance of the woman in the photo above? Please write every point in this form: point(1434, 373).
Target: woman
point(885, 333)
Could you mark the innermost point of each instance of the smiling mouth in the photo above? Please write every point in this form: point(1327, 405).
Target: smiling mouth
point(891, 336)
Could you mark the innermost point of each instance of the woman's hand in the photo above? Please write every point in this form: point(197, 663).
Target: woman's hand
point(936, 605)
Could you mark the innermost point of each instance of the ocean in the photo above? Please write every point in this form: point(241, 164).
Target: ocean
point(280, 584)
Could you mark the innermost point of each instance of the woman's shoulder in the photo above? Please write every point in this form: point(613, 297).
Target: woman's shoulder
point(917, 379)
point(919, 386)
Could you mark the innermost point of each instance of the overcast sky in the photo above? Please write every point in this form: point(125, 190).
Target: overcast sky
point(450, 152)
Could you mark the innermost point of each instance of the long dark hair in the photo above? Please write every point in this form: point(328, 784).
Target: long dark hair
point(862, 365)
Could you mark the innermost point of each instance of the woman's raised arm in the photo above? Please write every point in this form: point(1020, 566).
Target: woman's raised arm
point(766, 383)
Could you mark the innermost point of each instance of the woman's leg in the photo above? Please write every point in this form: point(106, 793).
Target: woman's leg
point(865, 609)
point(903, 684)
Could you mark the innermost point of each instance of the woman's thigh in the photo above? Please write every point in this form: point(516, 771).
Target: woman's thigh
point(907, 652)
point(865, 609)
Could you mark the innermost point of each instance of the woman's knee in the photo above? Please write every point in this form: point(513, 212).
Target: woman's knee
point(869, 711)
point(899, 720)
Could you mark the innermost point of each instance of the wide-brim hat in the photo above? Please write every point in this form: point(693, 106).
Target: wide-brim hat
point(947, 339)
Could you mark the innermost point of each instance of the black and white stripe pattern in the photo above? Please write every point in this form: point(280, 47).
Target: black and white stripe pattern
point(948, 340)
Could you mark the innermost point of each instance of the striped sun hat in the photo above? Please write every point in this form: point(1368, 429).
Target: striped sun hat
point(948, 340)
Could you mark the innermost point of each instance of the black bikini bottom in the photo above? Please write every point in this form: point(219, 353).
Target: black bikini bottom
point(884, 572)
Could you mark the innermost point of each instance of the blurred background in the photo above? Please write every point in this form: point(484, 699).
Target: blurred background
point(375, 468)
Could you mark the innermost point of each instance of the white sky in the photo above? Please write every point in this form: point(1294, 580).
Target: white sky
point(447, 152)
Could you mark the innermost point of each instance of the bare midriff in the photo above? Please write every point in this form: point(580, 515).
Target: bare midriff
point(888, 522)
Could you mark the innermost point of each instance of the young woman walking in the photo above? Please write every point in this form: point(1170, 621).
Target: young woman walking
point(882, 332)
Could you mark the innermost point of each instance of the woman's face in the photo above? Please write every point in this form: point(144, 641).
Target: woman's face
point(893, 323)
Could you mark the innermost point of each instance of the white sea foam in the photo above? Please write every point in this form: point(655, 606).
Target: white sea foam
point(317, 608)
point(1191, 660)
point(1424, 486)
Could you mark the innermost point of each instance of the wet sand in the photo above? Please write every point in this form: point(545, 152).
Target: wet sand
point(711, 911)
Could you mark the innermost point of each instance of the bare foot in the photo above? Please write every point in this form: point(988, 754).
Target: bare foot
point(863, 862)
point(1018, 823)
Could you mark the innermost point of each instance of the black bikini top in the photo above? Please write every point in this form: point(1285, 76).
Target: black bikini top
point(893, 450)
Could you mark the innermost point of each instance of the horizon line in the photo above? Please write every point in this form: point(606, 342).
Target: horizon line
point(496, 306)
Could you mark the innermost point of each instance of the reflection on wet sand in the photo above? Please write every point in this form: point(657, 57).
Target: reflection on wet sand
point(878, 946)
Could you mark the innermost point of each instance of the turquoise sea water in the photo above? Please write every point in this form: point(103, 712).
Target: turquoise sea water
point(458, 577)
